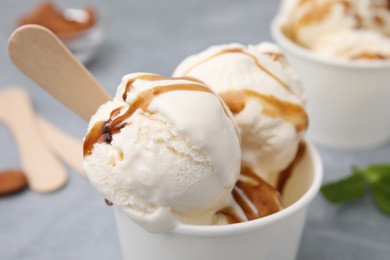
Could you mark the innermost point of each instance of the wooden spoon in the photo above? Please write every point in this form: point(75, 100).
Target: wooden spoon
point(66, 147)
point(44, 171)
point(41, 56)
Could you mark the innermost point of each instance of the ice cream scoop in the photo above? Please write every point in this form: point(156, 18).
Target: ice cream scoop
point(164, 150)
point(351, 29)
point(265, 97)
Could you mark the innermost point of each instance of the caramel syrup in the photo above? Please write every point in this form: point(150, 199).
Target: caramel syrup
point(101, 132)
point(148, 77)
point(152, 77)
point(273, 107)
point(241, 51)
point(317, 13)
point(104, 130)
point(286, 173)
point(255, 196)
point(369, 56)
point(231, 216)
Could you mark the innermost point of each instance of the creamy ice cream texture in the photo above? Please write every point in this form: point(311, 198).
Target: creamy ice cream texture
point(264, 95)
point(165, 151)
point(352, 29)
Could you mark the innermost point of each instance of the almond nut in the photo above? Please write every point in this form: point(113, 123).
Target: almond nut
point(11, 181)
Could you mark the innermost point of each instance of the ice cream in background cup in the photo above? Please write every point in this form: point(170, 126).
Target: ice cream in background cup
point(265, 97)
point(341, 51)
point(273, 237)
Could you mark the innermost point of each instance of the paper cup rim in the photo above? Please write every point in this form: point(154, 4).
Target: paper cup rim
point(288, 44)
point(253, 225)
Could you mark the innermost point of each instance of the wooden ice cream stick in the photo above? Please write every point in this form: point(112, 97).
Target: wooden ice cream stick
point(41, 56)
point(66, 147)
point(44, 171)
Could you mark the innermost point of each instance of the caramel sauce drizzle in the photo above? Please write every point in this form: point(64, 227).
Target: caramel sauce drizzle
point(273, 107)
point(379, 20)
point(104, 130)
point(359, 21)
point(148, 77)
point(275, 56)
point(239, 50)
point(108, 203)
point(286, 173)
point(191, 79)
point(231, 216)
point(317, 13)
point(152, 77)
point(101, 132)
point(369, 56)
point(264, 197)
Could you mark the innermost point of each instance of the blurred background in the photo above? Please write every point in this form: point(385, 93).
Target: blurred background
point(154, 36)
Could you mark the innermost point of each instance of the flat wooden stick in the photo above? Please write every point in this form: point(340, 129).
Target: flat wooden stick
point(44, 171)
point(41, 56)
point(66, 147)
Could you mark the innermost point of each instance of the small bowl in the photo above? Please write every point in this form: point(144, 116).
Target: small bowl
point(347, 99)
point(273, 237)
point(86, 43)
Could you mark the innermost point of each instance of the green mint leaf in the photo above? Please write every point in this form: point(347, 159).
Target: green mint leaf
point(381, 193)
point(383, 167)
point(347, 189)
point(375, 172)
point(377, 176)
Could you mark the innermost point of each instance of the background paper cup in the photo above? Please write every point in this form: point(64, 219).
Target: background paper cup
point(348, 101)
point(269, 238)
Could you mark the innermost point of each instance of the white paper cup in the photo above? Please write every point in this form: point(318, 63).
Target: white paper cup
point(269, 238)
point(348, 101)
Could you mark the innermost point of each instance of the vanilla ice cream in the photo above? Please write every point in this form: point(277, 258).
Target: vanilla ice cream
point(164, 150)
point(265, 96)
point(350, 29)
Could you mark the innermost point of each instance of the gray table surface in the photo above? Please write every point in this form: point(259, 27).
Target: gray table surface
point(154, 36)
